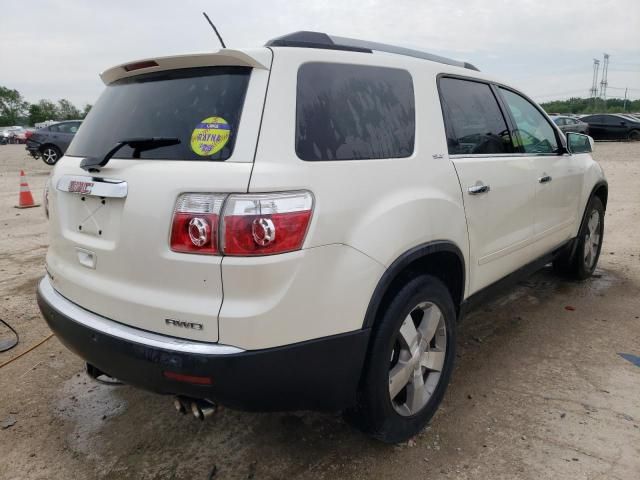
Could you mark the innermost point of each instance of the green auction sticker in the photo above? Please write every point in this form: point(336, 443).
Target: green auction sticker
point(210, 136)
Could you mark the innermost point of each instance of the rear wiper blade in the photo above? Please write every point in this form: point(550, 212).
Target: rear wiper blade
point(138, 145)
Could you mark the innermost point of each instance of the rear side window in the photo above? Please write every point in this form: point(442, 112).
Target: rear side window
point(611, 120)
point(534, 133)
point(473, 120)
point(354, 112)
point(70, 127)
point(178, 104)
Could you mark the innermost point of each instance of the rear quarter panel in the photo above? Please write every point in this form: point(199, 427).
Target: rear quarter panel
point(380, 208)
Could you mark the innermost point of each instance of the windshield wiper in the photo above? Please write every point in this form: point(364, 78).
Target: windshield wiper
point(138, 145)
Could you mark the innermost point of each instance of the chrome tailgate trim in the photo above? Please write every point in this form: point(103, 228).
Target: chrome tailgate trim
point(93, 186)
point(109, 327)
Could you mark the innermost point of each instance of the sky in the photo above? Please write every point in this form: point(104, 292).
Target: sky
point(57, 48)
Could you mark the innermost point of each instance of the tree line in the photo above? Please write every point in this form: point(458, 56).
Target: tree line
point(591, 105)
point(15, 110)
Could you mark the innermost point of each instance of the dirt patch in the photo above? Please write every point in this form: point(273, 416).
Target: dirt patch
point(539, 391)
point(27, 287)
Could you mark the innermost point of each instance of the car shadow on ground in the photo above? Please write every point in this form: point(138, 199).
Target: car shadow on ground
point(130, 431)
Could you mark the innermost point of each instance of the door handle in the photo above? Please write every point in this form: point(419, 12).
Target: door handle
point(545, 179)
point(478, 188)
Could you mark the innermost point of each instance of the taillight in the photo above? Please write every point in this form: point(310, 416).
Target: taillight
point(264, 224)
point(196, 223)
point(251, 224)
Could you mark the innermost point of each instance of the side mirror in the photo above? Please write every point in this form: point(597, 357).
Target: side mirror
point(579, 143)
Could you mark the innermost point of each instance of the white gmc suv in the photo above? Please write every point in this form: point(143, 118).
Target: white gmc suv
point(301, 226)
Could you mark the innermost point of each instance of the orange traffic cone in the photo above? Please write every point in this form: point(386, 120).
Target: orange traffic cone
point(26, 199)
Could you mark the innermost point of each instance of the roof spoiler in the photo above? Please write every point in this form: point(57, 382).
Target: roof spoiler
point(257, 58)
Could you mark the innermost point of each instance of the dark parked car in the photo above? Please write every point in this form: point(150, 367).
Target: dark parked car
point(570, 124)
point(613, 127)
point(51, 142)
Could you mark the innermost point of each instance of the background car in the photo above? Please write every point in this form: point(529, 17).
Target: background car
point(12, 134)
point(50, 143)
point(23, 135)
point(570, 124)
point(613, 127)
point(633, 118)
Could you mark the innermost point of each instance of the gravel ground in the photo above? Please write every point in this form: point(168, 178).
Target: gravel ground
point(539, 392)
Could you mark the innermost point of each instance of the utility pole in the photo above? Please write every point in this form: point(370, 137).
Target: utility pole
point(624, 105)
point(603, 82)
point(594, 82)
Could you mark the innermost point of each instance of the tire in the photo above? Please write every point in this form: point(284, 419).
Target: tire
point(50, 154)
point(581, 264)
point(634, 135)
point(423, 305)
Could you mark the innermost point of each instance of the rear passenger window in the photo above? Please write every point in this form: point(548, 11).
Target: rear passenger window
point(354, 112)
point(473, 120)
point(534, 133)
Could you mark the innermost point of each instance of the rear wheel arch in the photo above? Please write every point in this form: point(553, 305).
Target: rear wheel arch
point(442, 259)
point(47, 145)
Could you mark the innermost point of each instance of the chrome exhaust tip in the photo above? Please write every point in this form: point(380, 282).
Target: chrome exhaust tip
point(202, 409)
point(197, 411)
point(180, 406)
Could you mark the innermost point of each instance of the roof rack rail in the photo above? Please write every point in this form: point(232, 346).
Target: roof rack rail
point(308, 39)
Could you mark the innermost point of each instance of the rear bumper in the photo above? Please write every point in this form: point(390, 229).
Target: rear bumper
point(321, 374)
point(33, 148)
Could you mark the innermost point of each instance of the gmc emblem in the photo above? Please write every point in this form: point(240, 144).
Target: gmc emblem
point(80, 187)
point(180, 323)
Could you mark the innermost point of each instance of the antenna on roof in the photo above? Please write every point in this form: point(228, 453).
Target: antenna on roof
point(214, 29)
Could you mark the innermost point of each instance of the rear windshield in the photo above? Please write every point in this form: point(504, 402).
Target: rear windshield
point(199, 106)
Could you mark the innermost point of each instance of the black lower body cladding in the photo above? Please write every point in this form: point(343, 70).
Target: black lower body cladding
point(321, 374)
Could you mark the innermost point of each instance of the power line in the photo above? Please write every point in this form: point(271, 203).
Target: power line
point(569, 92)
point(625, 88)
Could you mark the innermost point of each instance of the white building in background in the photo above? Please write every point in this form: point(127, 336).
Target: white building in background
point(46, 123)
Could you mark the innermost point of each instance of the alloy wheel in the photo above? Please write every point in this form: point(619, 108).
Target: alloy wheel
point(50, 156)
point(417, 359)
point(592, 239)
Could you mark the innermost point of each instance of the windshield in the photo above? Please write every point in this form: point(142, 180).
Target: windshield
point(199, 106)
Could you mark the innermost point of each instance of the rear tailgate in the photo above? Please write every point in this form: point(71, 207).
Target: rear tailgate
point(110, 229)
